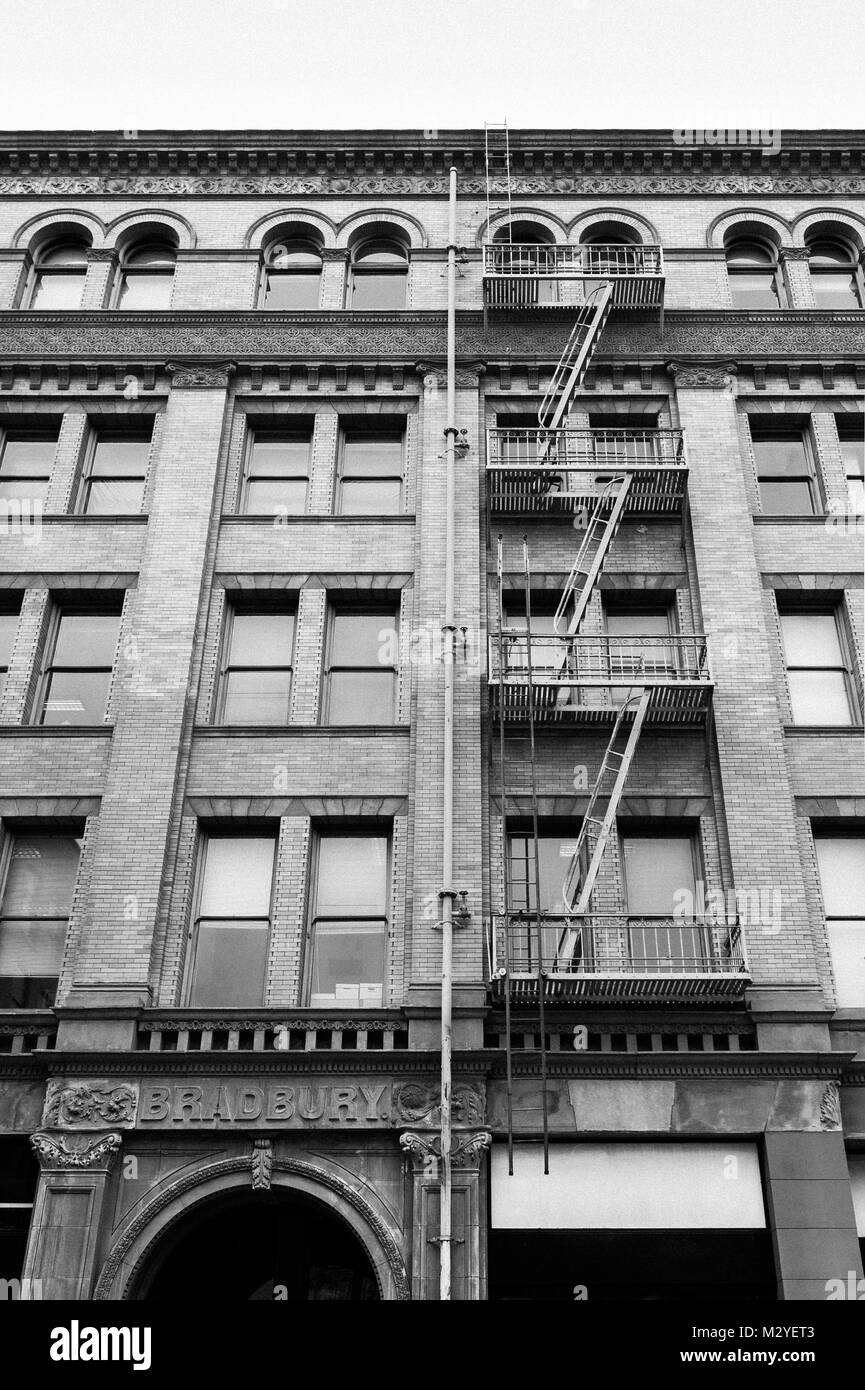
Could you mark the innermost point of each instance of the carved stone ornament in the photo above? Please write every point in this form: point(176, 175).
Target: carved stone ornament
point(200, 376)
point(87, 1105)
point(794, 253)
point(75, 1151)
point(830, 1107)
point(466, 1150)
point(262, 1165)
point(416, 1103)
point(715, 375)
point(465, 377)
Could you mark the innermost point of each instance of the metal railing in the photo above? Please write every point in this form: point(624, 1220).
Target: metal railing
point(616, 944)
point(280, 1030)
point(599, 659)
point(559, 261)
point(590, 450)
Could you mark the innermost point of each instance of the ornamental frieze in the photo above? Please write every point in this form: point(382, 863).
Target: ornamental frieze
point(323, 185)
point(89, 1105)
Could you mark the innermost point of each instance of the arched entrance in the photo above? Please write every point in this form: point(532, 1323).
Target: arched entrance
point(282, 1245)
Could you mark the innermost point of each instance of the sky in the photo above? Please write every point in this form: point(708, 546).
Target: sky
point(444, 64)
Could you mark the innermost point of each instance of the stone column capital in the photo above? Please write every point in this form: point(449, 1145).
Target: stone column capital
point(794, 253)
point(200, 376)
point(714, 376)
point(76, 1152)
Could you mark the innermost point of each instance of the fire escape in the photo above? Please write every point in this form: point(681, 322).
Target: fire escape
point(574, 680)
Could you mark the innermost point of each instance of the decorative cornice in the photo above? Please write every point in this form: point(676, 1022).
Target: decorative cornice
point(69, 1151)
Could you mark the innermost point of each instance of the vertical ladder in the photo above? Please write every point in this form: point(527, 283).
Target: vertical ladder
point(591, 555)
point(497, 165)
point(616, 763)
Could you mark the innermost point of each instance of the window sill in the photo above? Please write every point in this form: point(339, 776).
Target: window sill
point(809, 730)
point(786, 519)
point(298, 730)
point(318, 518)
point(108, 519)
point(56, 730)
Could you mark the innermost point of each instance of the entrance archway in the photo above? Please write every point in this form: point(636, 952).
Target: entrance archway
point(282, 1245)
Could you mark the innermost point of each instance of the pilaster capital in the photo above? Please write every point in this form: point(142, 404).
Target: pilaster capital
point(76, 1152)
point(200, 376)
point(424, 1150)
point(714, 376)
point(794, 253)
point(467, 377)
point(101, 254)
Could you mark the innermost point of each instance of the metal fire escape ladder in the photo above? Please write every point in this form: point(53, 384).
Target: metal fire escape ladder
point(574, 361)
point(595, 829)
point(602, 527)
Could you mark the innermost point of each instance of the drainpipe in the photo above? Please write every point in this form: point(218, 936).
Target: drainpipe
point(447, 894)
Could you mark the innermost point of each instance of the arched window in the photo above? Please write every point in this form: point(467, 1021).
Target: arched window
point(602, 261)
point(292, 275)
point(752, 266)
point(146, 276)
point(59, 278)
point(379, 274)
point(836, 277)
point(523, 234)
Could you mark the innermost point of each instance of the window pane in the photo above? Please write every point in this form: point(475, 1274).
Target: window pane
point(58, 291)
point(853, 454)
point(27, 458)
point(41, 876)
point(256, 697)
point(811, 639)
point(841, 860)
point(146, 291)
point(782, 456)
point(86, 639)
point(380, 253)
point(819, 697)
point(371, 291)
point(292, 291)
point(835, 291)
point(275, 497)
point(786, 497)
point(748, 253)
point(76, 697)
point(554, 854)
point(8, 627)
point(26, 491)
point(348, 961)
point(756, 290)
point(361, 697)
point(65, 255)
point(352, 875)
point(125, 458)
point(238, 870)
point(847, 949)
point(656, 869)
point(369, 498)
point(120, 497)
point(27, 992)
point(32, 948)
point(278, 458)
point(370, 457)
point(261, 639)
point(230, 965)
point(153, 258)
point(363, 639)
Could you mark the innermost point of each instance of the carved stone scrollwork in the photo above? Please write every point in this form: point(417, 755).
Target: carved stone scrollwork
point(101, 253)
point(75, 1151)
point(416, 1103)
point(794, 253)
point(468, 1150)
point(200, 376)
point(830, 1107)
point(717, 376)
point(262, 1165)
point(425, 1150)
point(466, 377)
point(418, 1148)
point(88, 1105)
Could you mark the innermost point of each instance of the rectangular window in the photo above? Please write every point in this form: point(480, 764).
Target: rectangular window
point(232, 922)
point(785, 474)
point(255, 679)
point(77, 673)
point(548, 650)
point(8, 628)
point(362, 665)
point(841, 860)
point(851, 436)
point(26, 459)
point(40, 873)
point(349, 922)
point(115, 470)
point(18, 1177)
point(555, 851)
point(660, 887)
point(276, 471)
point(649, 653)
point(370, 471)
point(817, 670)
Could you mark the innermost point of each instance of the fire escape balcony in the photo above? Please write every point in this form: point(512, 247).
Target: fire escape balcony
point(585, 679)
point(609, 957)
point(519, 275)
point(551, 472)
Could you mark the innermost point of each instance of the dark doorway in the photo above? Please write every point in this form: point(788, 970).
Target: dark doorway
point(278, 1246)
point(637, 1265)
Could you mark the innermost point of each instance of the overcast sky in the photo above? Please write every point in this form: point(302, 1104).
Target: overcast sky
point(146, 64)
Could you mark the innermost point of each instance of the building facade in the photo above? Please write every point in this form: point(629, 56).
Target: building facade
point(223, 474)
